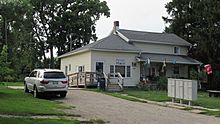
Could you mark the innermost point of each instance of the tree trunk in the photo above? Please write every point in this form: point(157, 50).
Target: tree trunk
point(51, 57)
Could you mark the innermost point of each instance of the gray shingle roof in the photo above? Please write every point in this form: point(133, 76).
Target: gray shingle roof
point(179, 59)
point(162, 38)
point(112, 42)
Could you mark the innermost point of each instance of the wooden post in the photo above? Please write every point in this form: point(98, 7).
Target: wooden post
point(77, 80)
point(85, 81)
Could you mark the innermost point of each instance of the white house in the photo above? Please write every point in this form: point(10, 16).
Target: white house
point(136, 55)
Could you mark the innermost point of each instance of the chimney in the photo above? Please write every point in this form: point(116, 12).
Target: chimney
point(116, 26)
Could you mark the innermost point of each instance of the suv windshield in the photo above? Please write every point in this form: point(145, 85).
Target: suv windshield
point(54, 75)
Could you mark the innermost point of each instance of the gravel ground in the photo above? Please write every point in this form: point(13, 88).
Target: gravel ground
point(92, 105)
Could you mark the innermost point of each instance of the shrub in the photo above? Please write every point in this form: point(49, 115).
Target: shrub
point(162, 83)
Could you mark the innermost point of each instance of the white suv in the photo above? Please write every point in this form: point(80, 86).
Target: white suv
point(46, 81)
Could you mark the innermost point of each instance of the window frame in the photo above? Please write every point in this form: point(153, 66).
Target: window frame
point(96, 66)
point(176, 50)
point(126, 75)
point(81, 68)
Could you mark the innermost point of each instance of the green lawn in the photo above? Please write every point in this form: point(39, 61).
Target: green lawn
point(161, 96)
point(209, 102)
point(158, 96)
point(35, 121)
point(12, 83)
point(19, 103)
point(16, 102)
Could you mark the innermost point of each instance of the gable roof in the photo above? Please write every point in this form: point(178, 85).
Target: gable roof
point(150, 37)
point(111, 43)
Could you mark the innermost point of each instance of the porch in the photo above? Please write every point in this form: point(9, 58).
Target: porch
point(154, 66)
point(97, 79)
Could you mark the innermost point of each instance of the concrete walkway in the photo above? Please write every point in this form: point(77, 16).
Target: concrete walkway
point(92, 105)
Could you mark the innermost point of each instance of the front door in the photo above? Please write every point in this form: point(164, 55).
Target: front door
point(99, 67)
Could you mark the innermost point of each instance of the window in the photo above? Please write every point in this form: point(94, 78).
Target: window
point(54, 75)
point(176, 50)
point(176, 69)
point(120, 69)
point(152, 71)
point(69, 67)
point(81, 69)
point(128, 71)
point(112, 68)
point(99, 67)
point(33, 74)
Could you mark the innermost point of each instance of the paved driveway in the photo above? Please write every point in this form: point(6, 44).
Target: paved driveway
point(92, 105)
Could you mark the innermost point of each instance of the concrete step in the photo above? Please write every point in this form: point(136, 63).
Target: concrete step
point(114, 87)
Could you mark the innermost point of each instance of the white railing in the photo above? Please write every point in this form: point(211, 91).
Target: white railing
point(106, 79)
point(120, 80)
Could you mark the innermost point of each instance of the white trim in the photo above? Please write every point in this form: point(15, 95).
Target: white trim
point(177, 62)
point(122, 51)
point(162, 53)
point(156, 42)
point(104, 50)
point(122, 36)
point(73, 53)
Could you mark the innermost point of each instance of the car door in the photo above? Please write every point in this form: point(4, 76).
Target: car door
point(31, 80)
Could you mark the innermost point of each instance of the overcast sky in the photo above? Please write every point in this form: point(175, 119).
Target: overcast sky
point(143, 15)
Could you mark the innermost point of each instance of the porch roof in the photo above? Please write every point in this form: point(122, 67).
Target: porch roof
point(178, 59)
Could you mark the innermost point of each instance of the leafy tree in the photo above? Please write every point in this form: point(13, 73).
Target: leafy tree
point(54, 20)
point(6, 73)
point(16, 27)
point(35, 28)
point(197, 21)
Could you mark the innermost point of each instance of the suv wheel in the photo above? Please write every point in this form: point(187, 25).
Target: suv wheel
point(63, 94)
point(25, 88)
point(36, 93)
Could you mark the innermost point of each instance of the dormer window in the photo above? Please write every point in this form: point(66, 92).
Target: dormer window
point(176, 50)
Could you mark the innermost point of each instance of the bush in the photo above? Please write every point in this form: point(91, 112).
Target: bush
point(162, 83)
point(193, 74)
point(216, 79)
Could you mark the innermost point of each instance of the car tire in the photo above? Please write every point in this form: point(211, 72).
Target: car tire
point(25, 88)
point(62, 95)
point(36, 93)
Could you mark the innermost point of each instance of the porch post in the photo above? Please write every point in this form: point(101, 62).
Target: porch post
point(200, 86)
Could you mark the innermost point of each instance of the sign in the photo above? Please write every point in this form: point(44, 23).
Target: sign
point(120, 61)
point(208, 69)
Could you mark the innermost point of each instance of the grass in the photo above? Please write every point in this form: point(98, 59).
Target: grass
point(159, 96)
point(36, 121)
point(12, 83)
point(205, 101)
point(18, 103)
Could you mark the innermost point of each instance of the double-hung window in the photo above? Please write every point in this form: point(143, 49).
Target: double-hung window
point(125, 71)
point(176, 50)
